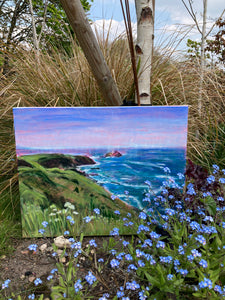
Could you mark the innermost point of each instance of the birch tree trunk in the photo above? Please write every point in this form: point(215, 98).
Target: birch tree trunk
point(202, 59)
point(145, 10)
point(34, 31)
point(87, 40)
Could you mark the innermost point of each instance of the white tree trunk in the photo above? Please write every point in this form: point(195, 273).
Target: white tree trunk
point(35, 40)
point(202, 60)
point(145, 10)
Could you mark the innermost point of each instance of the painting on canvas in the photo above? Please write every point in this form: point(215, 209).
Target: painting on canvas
point(92, 169)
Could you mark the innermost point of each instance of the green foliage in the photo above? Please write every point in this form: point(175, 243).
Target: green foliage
point(194, 50)
point(217, 45)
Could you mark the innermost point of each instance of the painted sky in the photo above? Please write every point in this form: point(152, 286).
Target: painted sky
point(102, 127)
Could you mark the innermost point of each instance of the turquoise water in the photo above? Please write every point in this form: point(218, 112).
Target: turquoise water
point(130, 171)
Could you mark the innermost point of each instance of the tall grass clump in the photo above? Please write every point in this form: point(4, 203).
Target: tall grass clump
point(62, 79)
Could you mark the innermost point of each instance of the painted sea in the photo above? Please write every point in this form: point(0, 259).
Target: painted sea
point(129, 172)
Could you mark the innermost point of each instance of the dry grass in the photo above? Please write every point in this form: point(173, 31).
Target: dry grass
point(60, 80)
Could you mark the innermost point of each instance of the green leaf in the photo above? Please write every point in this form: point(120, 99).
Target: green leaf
point(210, 205)
point(152, 280)
point(214, 274)
point(197, 295)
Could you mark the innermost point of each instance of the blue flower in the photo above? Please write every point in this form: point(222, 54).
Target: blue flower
point(87, 219)
point(37, 281)
point(195, 226)
point(191, 191)
point(117, 212)
point(32, 296)
point(176, 262)
point(203, 263)
point(92, 243)
point(190, 257)
point(128, 257)
point(78, 286)
point(166, 259)
point(97, 211)
point(76, 245)
point(113, 197)
point(41, 231)
point(90, 278)
point(208, 229)
point(210, 179)
point(114, 263)
point(141, 263)
point(131, 267)
point(170, 211)
point(142, 228)
point(164, 217)
point(166, 170)
point(148, 183)
point(196, 253)
point(222, 180)
point(181, 250)
point(178, 207)
point(206, 283)
point(32, 247)
point(215, 167)
point(146, 199)
point(142, 295)
point(113, 251)
point(66, 232)
point(182, 216)
point(6, 284)
point(201, 239)
point(180, 175)
point(125, 243)
point(154, 235)
point(100, 260)
point(49, 277)
point(139, 253)
point(221, 199)
point(120, 255)
point(76, 254)
point(170, 277)
point(183, 272)
point(120, 294)
point(45, 224)
point(218, 289)
point(53, 271)
point(114, 232)
point(160, 244)
point(142, 216)
point(208, 218)
point(147, 243)
point(132, 285)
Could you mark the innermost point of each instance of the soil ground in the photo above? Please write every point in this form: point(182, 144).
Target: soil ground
point(22, 267)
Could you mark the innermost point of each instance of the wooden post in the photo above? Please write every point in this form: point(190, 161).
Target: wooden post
point(92, 51)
